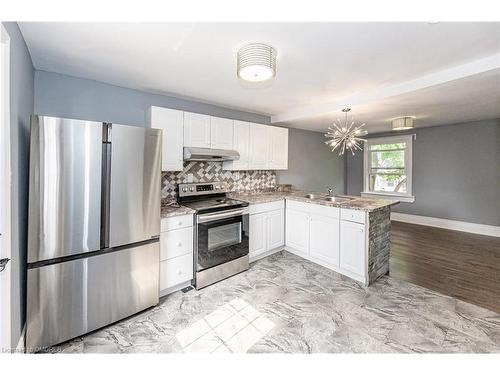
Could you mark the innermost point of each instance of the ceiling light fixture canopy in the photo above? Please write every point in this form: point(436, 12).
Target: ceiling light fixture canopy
point(346, 136)
point(403, 123)
point(256, 62)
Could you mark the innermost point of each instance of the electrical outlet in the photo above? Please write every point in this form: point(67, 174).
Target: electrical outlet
point(190, 178)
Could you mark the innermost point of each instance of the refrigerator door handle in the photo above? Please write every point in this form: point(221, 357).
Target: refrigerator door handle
point(105, 187)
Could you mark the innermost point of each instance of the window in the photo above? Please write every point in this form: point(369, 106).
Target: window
point(387, 167)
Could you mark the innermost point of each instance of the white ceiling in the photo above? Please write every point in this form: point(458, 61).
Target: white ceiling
point(319, 66)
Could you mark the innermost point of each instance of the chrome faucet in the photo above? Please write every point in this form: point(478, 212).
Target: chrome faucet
point(331, 191)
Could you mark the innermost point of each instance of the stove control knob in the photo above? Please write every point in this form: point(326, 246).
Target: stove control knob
point(191, 189)
point(216, 187)
point(184, 189)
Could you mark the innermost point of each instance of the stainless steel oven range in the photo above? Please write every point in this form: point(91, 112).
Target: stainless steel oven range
point(221, 231)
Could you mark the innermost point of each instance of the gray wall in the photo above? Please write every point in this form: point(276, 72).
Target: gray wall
point(455, 172)
point(65, 96)
point(311, 165)
point(21, 107)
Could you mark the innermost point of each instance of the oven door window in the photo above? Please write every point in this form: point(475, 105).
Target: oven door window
point(222, 241)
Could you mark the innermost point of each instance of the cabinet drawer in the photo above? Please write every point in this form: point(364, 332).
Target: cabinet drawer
point(266, 207)
point(176, 222)
point(318, 209)
point(297, 206)
point(176, 242)
point(175, 271)
point(356, 216)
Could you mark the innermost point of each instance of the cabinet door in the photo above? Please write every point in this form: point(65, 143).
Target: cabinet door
point(221, 133)
point(196, 130)
point(324, 239)
point(241, 143)
point(297, 230)
point(278, 147)
point(258, 243)
point(259, 147)
point(171, 122)
point(275, 229)
point(352, 247)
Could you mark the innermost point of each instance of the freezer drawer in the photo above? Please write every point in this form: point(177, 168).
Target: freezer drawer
point(66, 300)
point(65, 187)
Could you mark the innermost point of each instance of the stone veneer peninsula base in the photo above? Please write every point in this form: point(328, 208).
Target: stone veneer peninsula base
point(379, 238)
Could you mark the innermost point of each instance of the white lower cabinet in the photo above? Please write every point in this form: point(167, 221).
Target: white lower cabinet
point(258, 242)
point(275, 229)
point(176, 271)
point(324, 239)
point(320, 234)
point(175, 243)
point(297, 230)
point(176, 253)
point(267, 228)
point(352, 247)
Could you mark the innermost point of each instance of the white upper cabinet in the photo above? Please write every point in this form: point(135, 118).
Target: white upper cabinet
point(259, 147)
point(221, 133)
point(197, 130)
point(241, 143)
point(171, 122)
point(278, 147)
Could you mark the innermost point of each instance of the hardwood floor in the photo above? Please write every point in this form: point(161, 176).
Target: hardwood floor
point(459, 264)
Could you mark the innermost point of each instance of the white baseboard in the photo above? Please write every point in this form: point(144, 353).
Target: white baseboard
point(463, 226)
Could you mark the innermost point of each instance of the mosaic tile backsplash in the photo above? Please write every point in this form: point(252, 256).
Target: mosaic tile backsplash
point(238, 181)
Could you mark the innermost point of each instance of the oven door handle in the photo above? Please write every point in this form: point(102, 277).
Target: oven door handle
point(205, 218)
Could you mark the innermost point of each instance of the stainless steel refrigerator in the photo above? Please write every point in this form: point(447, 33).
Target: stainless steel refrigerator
point(94, 225)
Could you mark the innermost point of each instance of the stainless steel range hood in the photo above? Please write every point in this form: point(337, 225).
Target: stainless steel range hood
point(209, 154)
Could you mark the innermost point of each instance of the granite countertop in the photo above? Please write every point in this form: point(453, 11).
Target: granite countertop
point(261, 197)
point(357, 203)
point(171, 211)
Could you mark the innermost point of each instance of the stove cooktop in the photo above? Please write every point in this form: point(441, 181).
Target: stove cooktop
point(214, 204)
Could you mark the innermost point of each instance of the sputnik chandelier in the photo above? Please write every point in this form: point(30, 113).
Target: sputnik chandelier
point(345, 136)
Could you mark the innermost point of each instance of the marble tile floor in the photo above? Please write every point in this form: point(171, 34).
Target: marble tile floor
point(285, 304)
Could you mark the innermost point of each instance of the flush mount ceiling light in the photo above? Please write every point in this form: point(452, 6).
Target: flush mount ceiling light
point(256, 62)
point(403, 123)
point(345, 136)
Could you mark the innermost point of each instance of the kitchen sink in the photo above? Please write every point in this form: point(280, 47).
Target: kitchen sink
point(338, 199)
point(311, 196)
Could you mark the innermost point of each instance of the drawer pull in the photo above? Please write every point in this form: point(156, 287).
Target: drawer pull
point(179, 244)
point(179, 272)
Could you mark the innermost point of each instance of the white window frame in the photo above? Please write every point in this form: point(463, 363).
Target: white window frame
point(404, 197)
